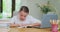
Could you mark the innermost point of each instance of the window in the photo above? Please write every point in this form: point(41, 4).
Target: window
point(6, 8)
point(0, 6)
point(13, 6)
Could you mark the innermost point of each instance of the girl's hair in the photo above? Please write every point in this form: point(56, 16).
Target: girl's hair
point(25, 9)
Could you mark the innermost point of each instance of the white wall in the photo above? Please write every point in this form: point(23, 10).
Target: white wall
point(56, 4)
point(17, 5)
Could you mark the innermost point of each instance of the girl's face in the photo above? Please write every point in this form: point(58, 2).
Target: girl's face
point(23, 15)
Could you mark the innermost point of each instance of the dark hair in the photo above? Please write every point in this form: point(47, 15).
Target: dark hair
point(25, 9)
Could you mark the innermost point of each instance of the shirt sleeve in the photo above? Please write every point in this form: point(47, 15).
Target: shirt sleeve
point(12, 20)
point(34, 20)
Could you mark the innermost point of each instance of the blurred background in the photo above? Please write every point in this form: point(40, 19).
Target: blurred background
point(7, 7)
point(38, 8)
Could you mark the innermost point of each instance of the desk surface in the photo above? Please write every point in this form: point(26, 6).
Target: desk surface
point(30, 30)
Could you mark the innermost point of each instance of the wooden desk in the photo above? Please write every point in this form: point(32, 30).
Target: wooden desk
point(30, 30)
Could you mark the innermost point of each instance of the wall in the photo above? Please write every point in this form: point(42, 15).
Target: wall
point(56, 4)
point(17, 5)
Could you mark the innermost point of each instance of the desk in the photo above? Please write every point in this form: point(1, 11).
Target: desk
point(30, 30)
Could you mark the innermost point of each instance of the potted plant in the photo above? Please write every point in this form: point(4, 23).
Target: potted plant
point(45, 8)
